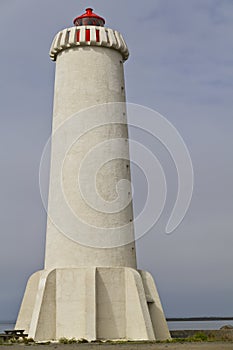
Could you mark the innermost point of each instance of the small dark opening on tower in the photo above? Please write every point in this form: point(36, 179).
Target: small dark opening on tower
point(97, 35)
point(67, 37)
point(78, 36)
point(107, 36)
point(88, 38)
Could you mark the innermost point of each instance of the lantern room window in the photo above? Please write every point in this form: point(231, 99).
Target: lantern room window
point(89, 19)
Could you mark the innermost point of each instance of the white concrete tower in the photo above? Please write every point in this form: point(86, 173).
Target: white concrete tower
point(90, 287)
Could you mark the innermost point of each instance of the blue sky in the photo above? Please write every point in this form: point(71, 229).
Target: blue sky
point(181, 64)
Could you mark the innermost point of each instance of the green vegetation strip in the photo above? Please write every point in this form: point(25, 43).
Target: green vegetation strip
point(197, 337)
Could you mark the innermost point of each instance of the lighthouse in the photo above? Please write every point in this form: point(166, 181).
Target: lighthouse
point(90, 286)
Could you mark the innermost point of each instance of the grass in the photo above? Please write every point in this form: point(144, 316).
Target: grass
point(67, 341)
point(72, 341)
point(197, 337)
point(11, 341)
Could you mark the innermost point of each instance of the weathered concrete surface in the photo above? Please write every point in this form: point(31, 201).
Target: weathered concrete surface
point(87, 77)
point(92, 303)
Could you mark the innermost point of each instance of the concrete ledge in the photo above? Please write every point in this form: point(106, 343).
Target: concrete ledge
point(76, 36)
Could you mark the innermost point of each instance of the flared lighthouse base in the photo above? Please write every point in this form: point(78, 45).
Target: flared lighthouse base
point(92, 303)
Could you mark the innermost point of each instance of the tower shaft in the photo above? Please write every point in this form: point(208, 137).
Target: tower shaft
point(88, 76)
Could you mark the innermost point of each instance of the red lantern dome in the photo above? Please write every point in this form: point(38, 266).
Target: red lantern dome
point(89, 19)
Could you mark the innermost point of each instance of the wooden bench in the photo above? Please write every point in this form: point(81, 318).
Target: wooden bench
point(4, 336)
point(13, 334)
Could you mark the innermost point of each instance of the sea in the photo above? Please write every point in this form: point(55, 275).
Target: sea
point(181, 325)
point(198, 325)
point(9, 325)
